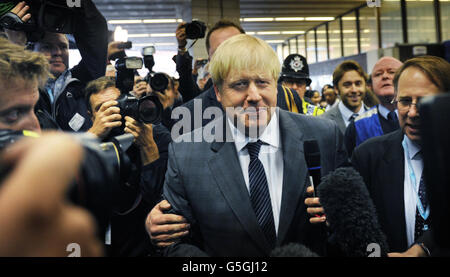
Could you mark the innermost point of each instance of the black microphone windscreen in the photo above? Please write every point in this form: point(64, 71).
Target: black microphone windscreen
point(293, 250)
point(312, 153)
point(351, 213)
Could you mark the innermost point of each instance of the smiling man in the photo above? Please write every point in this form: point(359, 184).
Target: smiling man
point(392, 164)
point(245, 196)
point(383, 118)
point(349, 81)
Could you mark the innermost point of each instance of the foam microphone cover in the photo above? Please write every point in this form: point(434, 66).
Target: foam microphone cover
point(351, 213)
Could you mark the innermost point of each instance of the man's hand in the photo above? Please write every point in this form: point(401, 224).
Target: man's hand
point(35, 217)
point(315, 210)
point(113, 49)
point(143, 137)
point(106, 118)
point(181, 35)
point(141, 88)
point(165, 229)
point(414, 251)
point(19, 37)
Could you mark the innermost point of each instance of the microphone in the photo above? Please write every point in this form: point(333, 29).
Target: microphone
point(351, 215)
point(312, 157)
point(293, 250)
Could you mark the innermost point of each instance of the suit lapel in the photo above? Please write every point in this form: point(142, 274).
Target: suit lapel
point(226, 171)
point(394, 162)
point(294, 172)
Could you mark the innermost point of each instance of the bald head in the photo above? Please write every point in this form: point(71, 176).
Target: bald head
point(382, 78)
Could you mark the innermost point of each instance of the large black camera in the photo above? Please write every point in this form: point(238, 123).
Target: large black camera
point(147, 109)
point(46, 15)
point(195, 30)
point(105, 173)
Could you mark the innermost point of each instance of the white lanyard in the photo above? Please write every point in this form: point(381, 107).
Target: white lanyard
point(412, 177)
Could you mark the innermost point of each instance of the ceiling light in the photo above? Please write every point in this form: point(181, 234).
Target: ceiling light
point(292, 32)
point(289, 18)
point(128, 21)
point(120, 34)
point(269, 33)
point(318, 18)
point(257, 19)
point(275, 41)
point(138, 35)
point(163, 35)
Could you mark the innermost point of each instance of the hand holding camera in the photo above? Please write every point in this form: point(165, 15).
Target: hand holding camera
point(107, 118)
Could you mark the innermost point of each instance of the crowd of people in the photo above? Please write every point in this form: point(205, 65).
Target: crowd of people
point(234, 180)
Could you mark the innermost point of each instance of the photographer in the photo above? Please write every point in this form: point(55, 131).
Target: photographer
point(62, 99)
point(188, 85)
point(35, 218)
point(128, 237)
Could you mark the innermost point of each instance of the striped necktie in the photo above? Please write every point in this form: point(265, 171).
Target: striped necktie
point(259, 193)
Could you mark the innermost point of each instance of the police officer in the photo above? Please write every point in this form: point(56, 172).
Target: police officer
point(295, 75)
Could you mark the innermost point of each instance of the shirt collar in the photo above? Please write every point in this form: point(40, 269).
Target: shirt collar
point(346, 113)
point(270, 136)
point(413, 148)
point(384, 111)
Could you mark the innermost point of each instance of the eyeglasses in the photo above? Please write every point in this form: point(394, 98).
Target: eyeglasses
point(405, 103)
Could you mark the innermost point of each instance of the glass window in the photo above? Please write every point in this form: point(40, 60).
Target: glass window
point(311, 50)
point(285, 51)
point(280, 52)
point(421, 24)
point(334, 35)
point(368, 29)
point(445, 17)
point(293, 45)
point(350, 36)
point(301, 46)
point(322, 43)
point(391, 23)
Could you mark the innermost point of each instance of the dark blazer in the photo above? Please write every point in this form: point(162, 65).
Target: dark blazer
point(380, 161)
point(204, 183)
point(336, 115)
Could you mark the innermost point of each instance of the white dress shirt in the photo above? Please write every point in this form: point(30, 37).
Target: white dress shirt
point(410, 190)
point(270, 155)
point(346, 113)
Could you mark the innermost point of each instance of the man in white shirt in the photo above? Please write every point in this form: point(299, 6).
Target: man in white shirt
point(392, 164)
point(243, 194)
point(349, 81)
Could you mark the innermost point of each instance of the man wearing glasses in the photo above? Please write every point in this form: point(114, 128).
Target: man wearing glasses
point(392, 164)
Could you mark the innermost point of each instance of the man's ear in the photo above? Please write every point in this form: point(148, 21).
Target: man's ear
point(216, 90)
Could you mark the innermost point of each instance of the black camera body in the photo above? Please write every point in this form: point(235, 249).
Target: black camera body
point(105, 172)
point(147, 109)
point(195, 29)
point(46, 15)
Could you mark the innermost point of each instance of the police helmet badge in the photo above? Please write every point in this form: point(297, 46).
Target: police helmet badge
point(296, 63)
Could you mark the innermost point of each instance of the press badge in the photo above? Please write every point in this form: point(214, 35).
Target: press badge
point(76, 122)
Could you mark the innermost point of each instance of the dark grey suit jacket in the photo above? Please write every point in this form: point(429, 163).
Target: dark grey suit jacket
point(336, 115)
point(204, 183)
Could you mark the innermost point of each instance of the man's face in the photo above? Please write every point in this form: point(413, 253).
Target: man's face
point(316, 98)
point(56, 48)
point(219, 36)
point(352, 89)
point(412, 85)
point(382, 78)
point(17, 101)
point(299, 85)
point(255, 92)
point(101, 97)
point(330, 96)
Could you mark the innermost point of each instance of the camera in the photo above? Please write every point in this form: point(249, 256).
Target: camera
point(147, 109)
point(46, 15)
point(195, 30)
point(105, 172)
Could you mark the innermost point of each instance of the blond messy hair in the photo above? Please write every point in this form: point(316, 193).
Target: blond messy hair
point(243, 53)
point(17, 63)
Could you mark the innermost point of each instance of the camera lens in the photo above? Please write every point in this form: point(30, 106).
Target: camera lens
point(159, 82)
point(195, 30)
point(150, 109)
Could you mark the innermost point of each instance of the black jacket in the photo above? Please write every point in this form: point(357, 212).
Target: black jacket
point(91, 36)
